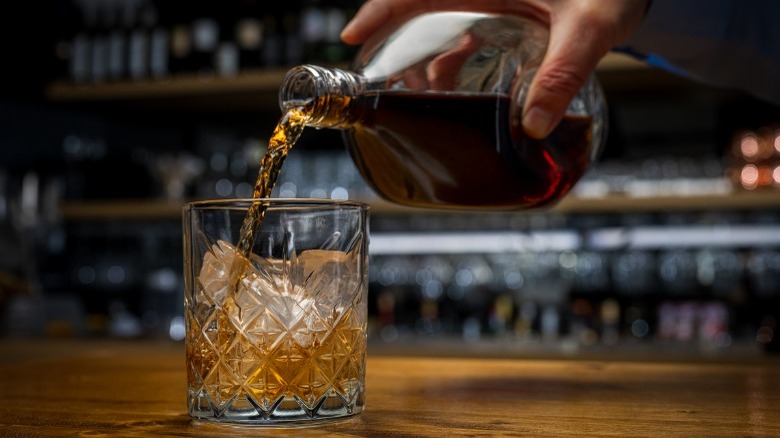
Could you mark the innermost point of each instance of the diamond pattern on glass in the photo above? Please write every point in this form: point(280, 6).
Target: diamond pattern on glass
point(288, 344)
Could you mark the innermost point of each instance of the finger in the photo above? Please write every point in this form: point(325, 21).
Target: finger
point(573, 52)
point(374, 13)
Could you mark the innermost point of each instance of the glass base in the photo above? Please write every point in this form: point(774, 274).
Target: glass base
point(287, 411)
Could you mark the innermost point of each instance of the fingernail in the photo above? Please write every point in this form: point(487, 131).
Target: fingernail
point(536, 122)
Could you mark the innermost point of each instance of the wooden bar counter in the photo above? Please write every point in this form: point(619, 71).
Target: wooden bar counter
point(89, 388)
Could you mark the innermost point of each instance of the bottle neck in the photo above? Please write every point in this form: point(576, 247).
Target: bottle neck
point(325, 93)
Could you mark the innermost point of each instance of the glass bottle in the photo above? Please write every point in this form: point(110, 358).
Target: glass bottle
point(430, 114)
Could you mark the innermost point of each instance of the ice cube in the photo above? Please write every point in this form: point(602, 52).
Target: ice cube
point(314, 260)
point(305, 294)
point(215, 271)
point(328, 277)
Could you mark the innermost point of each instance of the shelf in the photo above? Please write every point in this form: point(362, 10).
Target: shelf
point(254, 88)
point(137, 209)
point(178, 86)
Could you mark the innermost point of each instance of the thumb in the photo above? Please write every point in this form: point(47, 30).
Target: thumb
point(571, 57)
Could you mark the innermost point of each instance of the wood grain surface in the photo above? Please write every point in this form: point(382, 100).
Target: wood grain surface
point(137, 389)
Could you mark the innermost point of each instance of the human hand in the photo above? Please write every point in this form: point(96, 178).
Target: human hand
point(581, 33)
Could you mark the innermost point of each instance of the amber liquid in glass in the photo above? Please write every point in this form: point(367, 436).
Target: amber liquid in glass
point(278, 370)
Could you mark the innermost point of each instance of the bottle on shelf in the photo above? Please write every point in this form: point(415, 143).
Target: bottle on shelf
point(414, 97)
point(69, 22)
point(100, 57)
point(205, 39)
point(248, 35)
point(273, 42)
point(159, 43)
point(755, 157)
point(179, 22)
point(140, 35)
point(313, 29)
point(293, 44)
point(122, 21)
point(334, 50)
point(80, 61)
point(226, 53)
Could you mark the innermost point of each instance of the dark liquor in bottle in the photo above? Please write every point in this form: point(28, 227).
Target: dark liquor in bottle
point(460, 151)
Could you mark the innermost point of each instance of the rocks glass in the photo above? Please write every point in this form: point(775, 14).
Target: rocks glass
point(280, 336)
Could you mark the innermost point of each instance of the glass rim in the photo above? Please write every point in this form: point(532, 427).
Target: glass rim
point(276, 203)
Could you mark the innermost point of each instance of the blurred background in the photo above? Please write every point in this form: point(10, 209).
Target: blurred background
point(113, 113)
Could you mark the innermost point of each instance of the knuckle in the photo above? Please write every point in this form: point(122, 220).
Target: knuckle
point(561, 80)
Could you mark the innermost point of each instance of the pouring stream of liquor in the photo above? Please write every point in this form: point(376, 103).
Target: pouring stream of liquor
point(286, 133)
